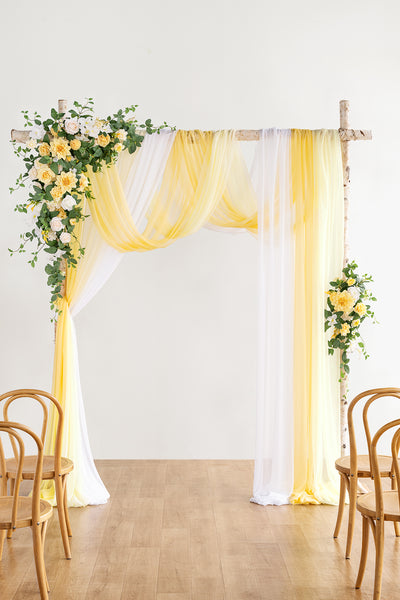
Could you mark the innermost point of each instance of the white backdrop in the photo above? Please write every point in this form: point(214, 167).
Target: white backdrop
point(178, 377)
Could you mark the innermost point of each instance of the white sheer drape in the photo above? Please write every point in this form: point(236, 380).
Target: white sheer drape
point(273, 475)
point(141, 175)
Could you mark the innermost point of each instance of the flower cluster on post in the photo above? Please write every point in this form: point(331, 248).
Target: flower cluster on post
point(348, 306)
point(56, 157)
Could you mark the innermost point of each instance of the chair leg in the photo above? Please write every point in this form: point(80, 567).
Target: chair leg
point(39, 560)
point(12, 486)
point(43, 537)
point(364, 552)
point(2, 538)
point(395, 523)
point(352, 513)
point(379, 541)
point(66, 507)
point(342, 498)
point(61, 516)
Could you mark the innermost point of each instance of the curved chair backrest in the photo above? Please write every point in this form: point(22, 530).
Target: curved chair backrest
point(12, 430)
point(381, 394)
point(371, 396)
point(38, 396)
point(375, 464)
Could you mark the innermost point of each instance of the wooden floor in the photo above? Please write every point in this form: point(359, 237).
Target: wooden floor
point(180, 530)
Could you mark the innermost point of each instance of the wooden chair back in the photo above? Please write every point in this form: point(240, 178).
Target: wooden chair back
point(13, 431)
point(384, 392)
point(38, 396)
point(372, 395)
point(375, 464)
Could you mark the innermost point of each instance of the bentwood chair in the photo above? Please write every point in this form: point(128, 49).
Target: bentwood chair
point(21, 511)
point(54, 467)
point(379, 506)
point(354, 467)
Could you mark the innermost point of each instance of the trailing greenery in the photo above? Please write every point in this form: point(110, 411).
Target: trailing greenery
point(56, 157)
point(348, 305)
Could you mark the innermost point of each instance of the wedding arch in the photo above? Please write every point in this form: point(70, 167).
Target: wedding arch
point(295, 199)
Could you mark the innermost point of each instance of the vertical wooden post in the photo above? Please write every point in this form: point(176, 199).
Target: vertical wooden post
point(62, 108)
point(344, 124)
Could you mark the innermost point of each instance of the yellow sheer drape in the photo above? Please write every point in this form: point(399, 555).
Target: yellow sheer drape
point(195, 179)
point(65, 386)
point(317, 184)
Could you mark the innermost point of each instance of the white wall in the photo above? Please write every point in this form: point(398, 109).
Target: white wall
point(168, 348)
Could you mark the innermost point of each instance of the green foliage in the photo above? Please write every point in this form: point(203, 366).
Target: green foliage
point(57, 204)
point(348, 306)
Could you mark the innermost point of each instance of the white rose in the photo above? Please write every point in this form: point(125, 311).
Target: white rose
point(56, 224)
point(68, 202)
point(31, 143)
point(37, 132)
point(65, 237)
point(121, 135)
point(51, 236)
point(71, 126)
point(354, 292)
point(33, 173)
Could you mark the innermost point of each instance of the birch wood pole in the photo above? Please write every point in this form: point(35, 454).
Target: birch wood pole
point(344, 124)
point(242, 135)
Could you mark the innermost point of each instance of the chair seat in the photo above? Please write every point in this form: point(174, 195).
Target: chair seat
point(29, 467)
point(363, 467)
point(366, 505)
point(24, 513)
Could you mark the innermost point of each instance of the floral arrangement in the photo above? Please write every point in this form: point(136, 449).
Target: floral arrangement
point(56, 156)
point(348, 306)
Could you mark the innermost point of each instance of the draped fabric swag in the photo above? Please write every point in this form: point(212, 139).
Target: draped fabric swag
point(292, 199)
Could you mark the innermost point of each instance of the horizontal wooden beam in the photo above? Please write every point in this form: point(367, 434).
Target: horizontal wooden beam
point(243, 135)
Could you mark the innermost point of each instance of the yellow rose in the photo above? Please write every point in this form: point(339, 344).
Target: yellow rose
point(360, 309)
point(345, 329)
point(75, 144)
point(351, 281)
point(61, 213)
point(60, 148)
point(356, 323)
point(118, 147)
point(44, 149)
point(102, 140)
point(342, 301)
point(45, 174)
point(57, 192)
point(66, 180)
